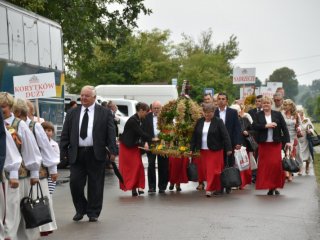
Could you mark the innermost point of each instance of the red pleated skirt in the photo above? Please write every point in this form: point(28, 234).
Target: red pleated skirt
point(178, 170)
point(270, 174)
point(201, 168)
point(131, 168)
point(246, 175)
point(214, 164)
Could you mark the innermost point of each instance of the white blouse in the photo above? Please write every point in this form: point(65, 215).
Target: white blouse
point(270, 130)
point(29, 149)
point(205, 130)
point(13, 157)
point(50, 158)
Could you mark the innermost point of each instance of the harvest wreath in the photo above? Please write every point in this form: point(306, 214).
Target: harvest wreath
point(176, 123)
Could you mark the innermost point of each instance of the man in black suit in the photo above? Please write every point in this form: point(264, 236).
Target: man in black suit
point(150, 126)
point(87, 131)
point(258, 107)
point(231, 120)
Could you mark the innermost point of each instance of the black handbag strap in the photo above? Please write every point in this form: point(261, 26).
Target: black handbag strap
point(39, 187)
point(31, 192)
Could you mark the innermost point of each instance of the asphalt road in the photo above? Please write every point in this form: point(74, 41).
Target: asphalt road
point(243, 214)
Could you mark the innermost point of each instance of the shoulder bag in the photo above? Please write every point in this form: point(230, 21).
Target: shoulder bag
point(192, 172)
point(36, 212)
point(289, 163)
point(314, 138)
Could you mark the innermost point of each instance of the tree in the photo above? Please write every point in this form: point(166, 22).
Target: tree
point(86, 22)
point(142, 58)
point(288, 78)
point(206, 65)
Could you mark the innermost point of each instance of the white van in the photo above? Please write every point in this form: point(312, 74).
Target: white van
point(141, 93)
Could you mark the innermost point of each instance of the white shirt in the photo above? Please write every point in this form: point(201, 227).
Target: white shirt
point(205, 130)
point(155, 125)
point(13, 157)
point(50, 158)
point(29, 148)
point(55, 146)
point(270, 130)
point(88, 141)
point(222, 114)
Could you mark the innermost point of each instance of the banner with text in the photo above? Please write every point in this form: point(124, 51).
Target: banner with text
point(248, 91)
point(274, 85)
point(34, 86)
point(244, 75)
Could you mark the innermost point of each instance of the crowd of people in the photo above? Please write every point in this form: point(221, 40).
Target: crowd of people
point(29, 155)
point(275, 127)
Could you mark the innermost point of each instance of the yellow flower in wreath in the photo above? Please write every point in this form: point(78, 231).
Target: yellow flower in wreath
point(182, 148)
point(159, 147)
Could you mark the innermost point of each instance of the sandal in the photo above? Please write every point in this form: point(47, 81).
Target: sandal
point(200, 187)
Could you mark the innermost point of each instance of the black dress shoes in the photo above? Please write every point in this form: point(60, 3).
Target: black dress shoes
point(77, 217)
point(151, 190)
point(93, 219)
point(162, 191)
point(134, 193)
point(228, 190)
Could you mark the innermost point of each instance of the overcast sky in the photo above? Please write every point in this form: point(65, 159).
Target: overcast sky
point(271, 33)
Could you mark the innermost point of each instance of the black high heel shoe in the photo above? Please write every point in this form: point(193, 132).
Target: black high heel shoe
point(140, 192)
point(171, 187)
point(270, 192)
point(134, 193)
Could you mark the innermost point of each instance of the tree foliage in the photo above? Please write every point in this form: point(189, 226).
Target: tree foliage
point(288, 78)
point(142, 58)
point(206, 65)
point(86, 22)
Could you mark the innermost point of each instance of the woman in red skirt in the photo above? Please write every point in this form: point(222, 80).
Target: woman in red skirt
point(130, 162)
point(271, 131)
point(178, 172)
point(211, 137)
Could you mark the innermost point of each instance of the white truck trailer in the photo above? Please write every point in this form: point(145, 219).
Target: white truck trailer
point(141, 93)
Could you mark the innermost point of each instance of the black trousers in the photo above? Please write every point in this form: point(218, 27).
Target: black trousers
point(87, 167)
point(163, 171)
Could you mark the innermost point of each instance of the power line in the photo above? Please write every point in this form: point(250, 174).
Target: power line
point(283, 60)
point(306, 73)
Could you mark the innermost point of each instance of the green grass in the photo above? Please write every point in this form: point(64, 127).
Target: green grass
point(316, 162)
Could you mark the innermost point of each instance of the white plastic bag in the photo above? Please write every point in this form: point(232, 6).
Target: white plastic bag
point(242, 159)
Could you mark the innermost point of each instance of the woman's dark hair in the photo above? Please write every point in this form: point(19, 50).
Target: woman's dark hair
point(72, 103)
point(142, 106)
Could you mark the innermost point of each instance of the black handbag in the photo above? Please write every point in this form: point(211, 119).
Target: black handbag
point(290, 164)
point(314, 139)
point(230, 177)
point(36, 212)
point(192, 172)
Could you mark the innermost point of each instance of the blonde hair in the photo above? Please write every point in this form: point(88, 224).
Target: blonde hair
point(6, 98)
point(20, 106)
point(292, 104)
point(266, 99)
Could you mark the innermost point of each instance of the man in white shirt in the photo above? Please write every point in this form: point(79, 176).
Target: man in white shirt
point(87, 131)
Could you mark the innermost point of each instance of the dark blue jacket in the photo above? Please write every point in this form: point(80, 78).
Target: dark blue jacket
point(2, 143)
point(232, 124)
